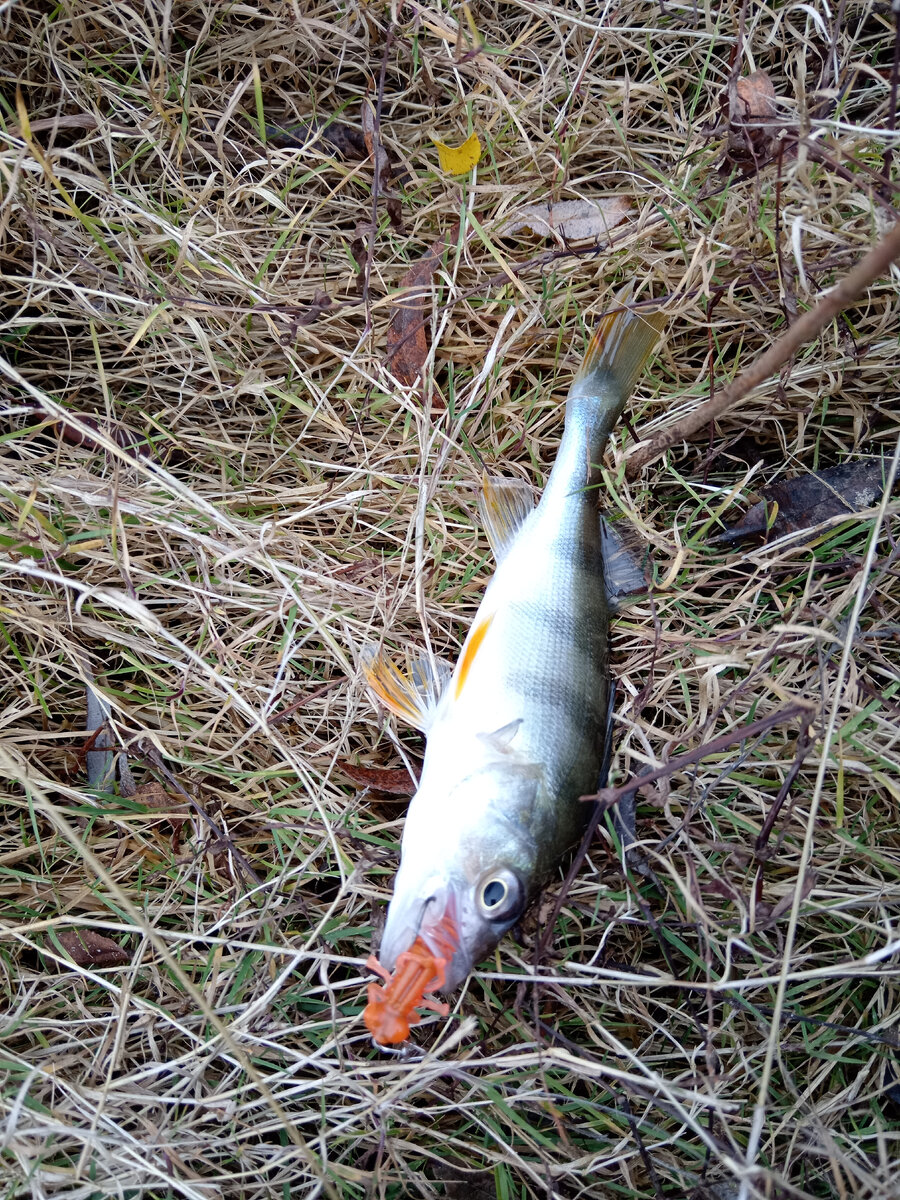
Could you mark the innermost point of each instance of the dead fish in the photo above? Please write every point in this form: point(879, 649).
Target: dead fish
point(515, 731)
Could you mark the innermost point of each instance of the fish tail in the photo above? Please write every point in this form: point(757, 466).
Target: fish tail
point(612, 365)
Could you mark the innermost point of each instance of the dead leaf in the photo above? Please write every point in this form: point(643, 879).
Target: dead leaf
point(328, 135)
point(134, 444)
point(751, 109)
point(384, 165)
point(458, 160)
point(154, 795)
point(807, 500)
point(321, 301)
point(766, 915)
point(395, 781)
point(570, 220)
point(757, 94)
point(89, 949)
point(407, 340)
point(359, 246)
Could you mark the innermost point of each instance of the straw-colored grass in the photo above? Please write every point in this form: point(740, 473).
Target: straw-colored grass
point(727, 1020)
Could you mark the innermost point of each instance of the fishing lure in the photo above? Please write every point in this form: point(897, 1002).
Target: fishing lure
point(391, 1009)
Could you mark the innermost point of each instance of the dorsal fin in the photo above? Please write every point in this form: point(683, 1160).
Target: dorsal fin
point(625, 555)
point(411, 692)
point(504, 505)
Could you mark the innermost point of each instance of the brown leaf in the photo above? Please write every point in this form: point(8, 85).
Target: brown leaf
point(384, 164)
point(751, 110)
point(767, 914)
point(154, 795)
point(571, 220)
point(359, 246)
point(395, 781)
point(756, 93)
point(807, 500)
point(407, 341)
point(321, 302)
point(89, 949)
point(132, 443)
point(328, 135)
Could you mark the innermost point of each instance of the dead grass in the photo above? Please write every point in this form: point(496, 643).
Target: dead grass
point(713, 1023)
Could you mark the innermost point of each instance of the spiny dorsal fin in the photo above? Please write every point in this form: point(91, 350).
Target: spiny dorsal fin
point(620, 346)
point(625, 555)
point(504, 505)
point(411, 692)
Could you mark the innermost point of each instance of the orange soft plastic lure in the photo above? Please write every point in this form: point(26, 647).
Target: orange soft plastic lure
point(392, 1009)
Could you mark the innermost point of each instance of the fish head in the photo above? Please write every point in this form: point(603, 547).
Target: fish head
point(467, 877)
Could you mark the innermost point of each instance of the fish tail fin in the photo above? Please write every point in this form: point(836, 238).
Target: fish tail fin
point(618, 352)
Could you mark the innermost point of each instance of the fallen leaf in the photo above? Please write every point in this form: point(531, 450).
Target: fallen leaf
point(751, 109)
point(570, 220)
point(76, 121)
point(757, 94)
point(384, 164)
point(766, 915)
point(154, 795)
point(359, 247)
point(457, 160)
point(321, 301)
point(329, 135)
point(407, 340)
point(395, 781)
point(807, 500)
point(89, 949)
point(134, 444)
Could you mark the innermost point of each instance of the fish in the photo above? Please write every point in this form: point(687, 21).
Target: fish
point(515, 732)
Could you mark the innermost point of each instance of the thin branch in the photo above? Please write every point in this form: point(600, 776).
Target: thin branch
point(804, 329)
point(608, 796)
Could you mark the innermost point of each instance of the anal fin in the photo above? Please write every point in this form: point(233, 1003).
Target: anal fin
point(625, 559)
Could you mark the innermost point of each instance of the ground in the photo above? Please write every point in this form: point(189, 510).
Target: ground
point(216, 486)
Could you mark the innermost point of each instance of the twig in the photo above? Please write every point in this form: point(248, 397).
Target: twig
point(892, 104)
point(377, 168)
point(307, 698)
point(610, 795)
point(804, 329)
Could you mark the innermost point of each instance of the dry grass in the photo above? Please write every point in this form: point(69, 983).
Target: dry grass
point(709, 1024)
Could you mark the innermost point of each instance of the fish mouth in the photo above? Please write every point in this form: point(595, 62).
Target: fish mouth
point(437, 923)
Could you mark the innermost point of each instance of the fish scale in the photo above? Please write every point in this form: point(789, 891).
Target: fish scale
point(515, 733)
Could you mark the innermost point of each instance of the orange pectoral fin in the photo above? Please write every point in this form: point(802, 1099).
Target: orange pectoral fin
point(411, 694)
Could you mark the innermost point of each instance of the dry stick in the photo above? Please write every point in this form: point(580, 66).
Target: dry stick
point(892, 106)
point(376, 177)
point(610, 795)
point(607, 797)
point(804, 329)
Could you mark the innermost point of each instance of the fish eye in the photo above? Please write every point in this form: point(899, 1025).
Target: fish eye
point(500, 896)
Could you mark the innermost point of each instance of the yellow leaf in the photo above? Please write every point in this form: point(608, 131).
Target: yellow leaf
point(456, 160)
